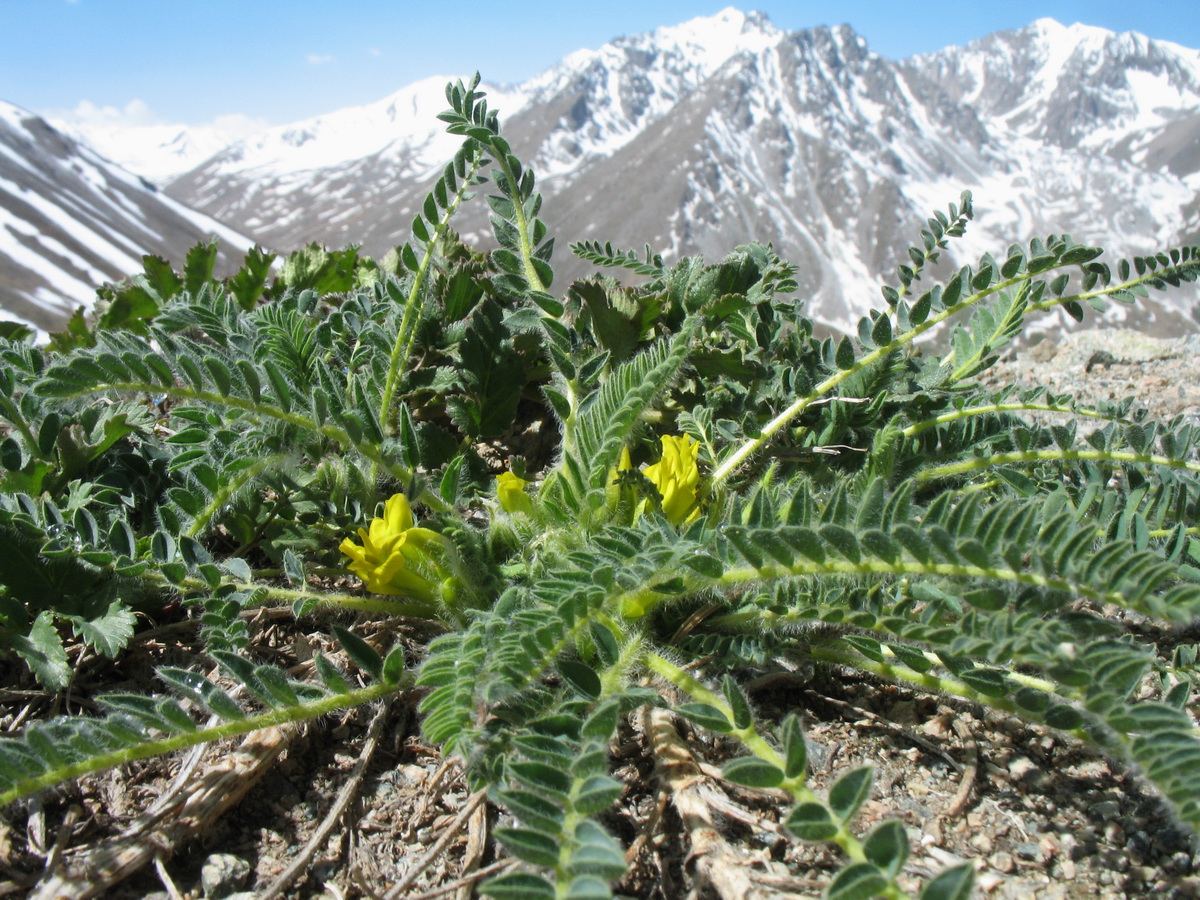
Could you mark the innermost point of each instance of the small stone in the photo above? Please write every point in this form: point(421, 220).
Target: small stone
point(1066, 869)
point(988, 881)
point(1106, 809)
point(1114, 833)
point(1002, 862)
point(1179, 863)
point(1029, 851)
point(981, 842)
point(222, 875)
point(1044, 351)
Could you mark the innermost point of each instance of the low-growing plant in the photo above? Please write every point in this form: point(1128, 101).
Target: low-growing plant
point(608, 498)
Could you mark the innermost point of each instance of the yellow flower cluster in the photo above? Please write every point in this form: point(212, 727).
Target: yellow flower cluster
point(393, 551)
point(677, 478)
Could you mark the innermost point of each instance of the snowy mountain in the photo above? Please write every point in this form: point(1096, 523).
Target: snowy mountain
point(71, 220)
point(156, 152)
point(725, 129)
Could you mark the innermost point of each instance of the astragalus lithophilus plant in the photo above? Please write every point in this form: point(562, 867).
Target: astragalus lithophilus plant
point(720, 490)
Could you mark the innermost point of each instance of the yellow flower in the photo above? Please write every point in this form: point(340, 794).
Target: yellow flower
point(510, 491)
point(677, 478)
point(392, 550)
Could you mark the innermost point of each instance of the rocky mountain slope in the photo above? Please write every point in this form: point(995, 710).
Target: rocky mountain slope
point(71, 220)
point(726, 129)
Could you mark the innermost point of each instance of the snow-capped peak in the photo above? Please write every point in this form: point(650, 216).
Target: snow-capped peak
point(406, 121)
point(710, 41)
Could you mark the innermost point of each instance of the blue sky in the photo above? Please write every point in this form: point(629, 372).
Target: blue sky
point(273, 62)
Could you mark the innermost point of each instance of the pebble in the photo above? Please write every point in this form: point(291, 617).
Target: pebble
point(222, 875)
point(1030, 851)
point(981, 842)
point(1002, 862)
point(1106, 809)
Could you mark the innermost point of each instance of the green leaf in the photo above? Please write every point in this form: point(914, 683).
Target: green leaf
point(601, 724)
point(582, 678)
point(811, 822)
point(795, 748)
point(887, 846)
point(953, 884)
point(858, 881)
point(529, 845)
point(597, 794)
point(706, 716)
point(742, 716)
point(752, 772)
point(394, 665)
point(849, 792)
point(543, 777)
point(362, 653)
point(518, 886)
point(43, 651)
point(588, 887)
point(109, 632)
point(844, 358)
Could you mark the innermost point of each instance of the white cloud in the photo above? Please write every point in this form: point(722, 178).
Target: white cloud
point(318, 59)
point(374, 51)
point(89, 117)
point(86, 113)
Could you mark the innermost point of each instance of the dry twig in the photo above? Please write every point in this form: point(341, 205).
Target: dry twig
point(345, 797)
point(712, 860)
point(439, 845)
point(92, 870)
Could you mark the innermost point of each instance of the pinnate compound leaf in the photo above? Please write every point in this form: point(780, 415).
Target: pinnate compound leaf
point(858, 881)
point(953, 884)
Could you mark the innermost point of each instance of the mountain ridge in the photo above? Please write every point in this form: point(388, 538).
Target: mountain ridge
point(71, 220)
point(725, 129)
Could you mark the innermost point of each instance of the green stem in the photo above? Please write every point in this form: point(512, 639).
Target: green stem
point(1150, 276)
point(781, 421)
point(181, 392)
point(299, 713)
point(1000, 459)
point(406, 333)
point(222, 496)
point(957, 414)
